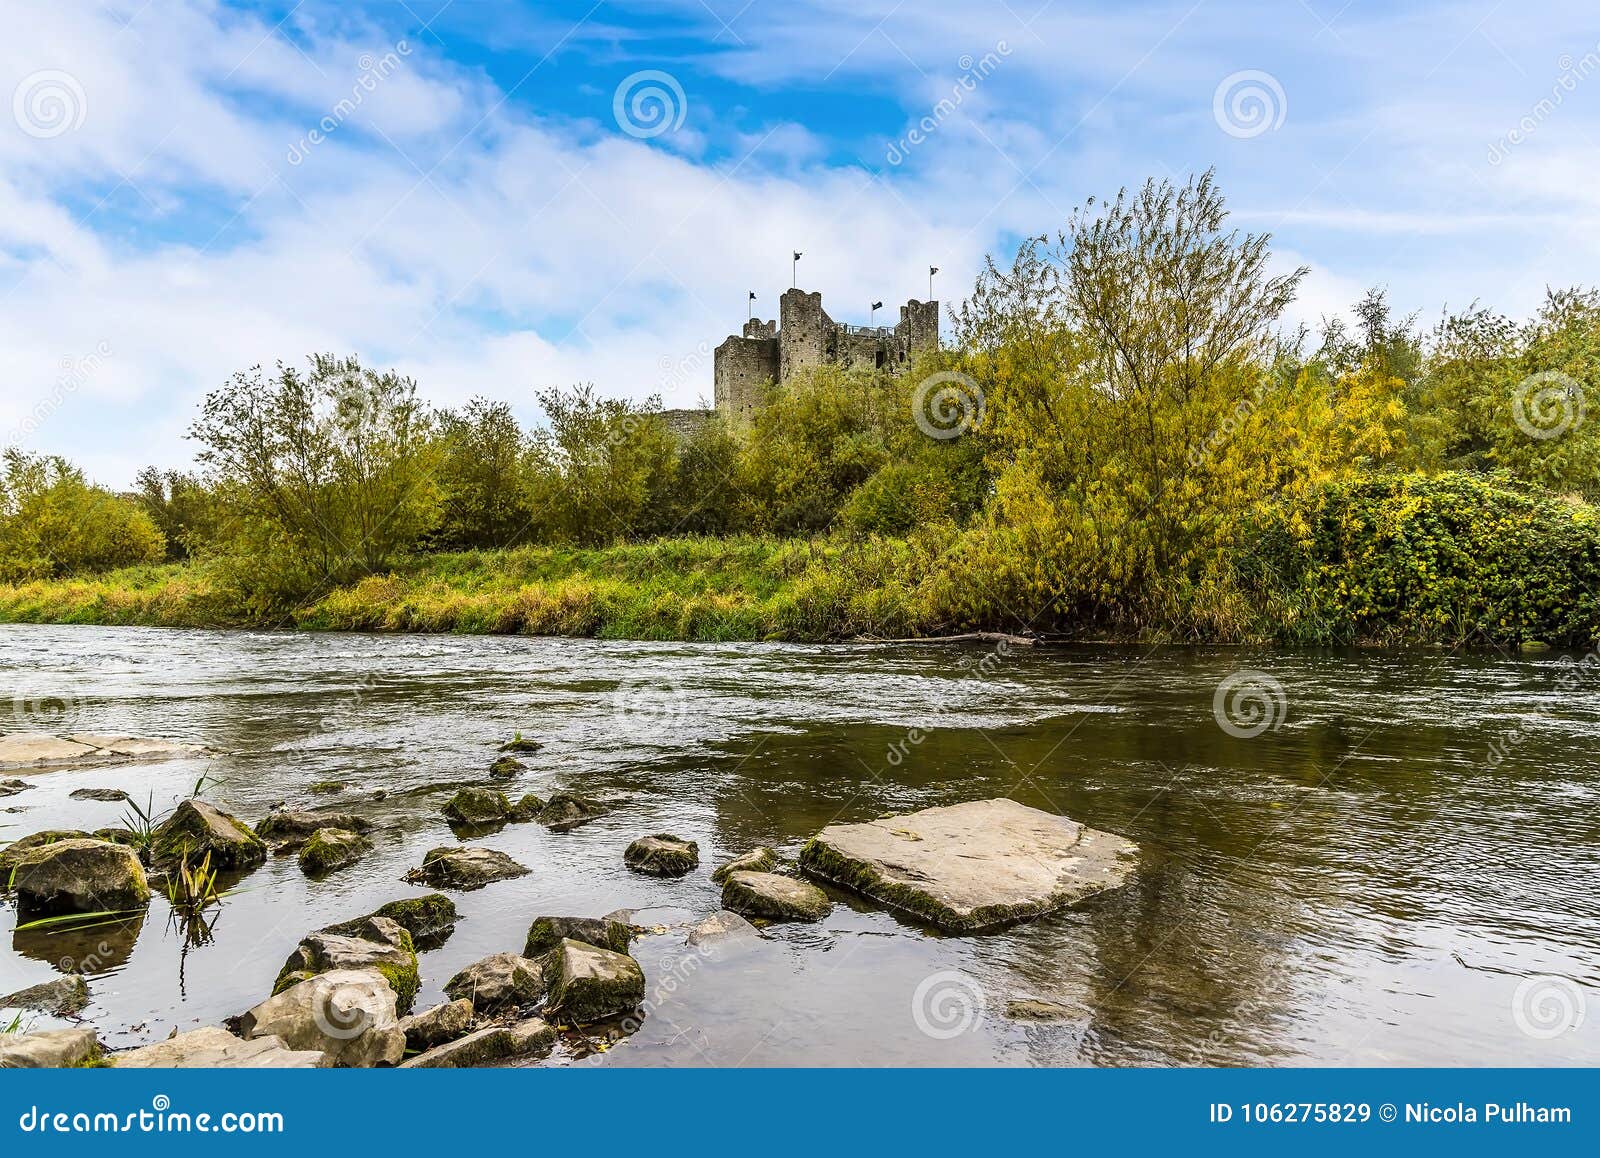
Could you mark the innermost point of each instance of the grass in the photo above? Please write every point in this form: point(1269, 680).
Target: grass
point(689, 589)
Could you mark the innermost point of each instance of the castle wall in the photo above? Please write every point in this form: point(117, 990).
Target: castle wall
point(685, 424)
point(804, 332)
point(869, 349)
point(743, 369)
point(919, 326)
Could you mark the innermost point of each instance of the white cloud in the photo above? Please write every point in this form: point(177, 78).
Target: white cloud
point(492, 246)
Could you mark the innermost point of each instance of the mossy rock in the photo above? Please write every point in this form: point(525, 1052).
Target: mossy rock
point(588, 983)
point(507, 768)
point(503, 981)
point(757, 860)
point(662, 855)
point(426, 918)
point(326, 787)
point(520, 744)
point(565, 811)
point(13, 851)
point(330, 849)
point(776, 898)
point(464, 867)
point(370, 943)
point(197, 828)
point(547, 932)
point(289, 827)
point(79, 876)
point(526, 809)
point(478, 806)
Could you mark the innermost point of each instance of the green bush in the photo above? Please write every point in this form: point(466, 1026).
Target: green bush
point(53, 523)
point(1453, 558)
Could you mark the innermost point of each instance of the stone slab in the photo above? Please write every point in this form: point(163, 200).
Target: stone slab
point(84, 749)
point(217, 1049)
point(968, 868)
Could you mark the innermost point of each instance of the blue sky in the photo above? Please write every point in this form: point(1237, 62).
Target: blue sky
point(469, 190)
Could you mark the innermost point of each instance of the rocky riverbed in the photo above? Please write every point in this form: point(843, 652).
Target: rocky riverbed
point(756, 833)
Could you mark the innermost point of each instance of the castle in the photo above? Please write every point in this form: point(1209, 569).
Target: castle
point(804, 335)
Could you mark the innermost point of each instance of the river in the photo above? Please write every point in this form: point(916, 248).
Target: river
point(1391, 861)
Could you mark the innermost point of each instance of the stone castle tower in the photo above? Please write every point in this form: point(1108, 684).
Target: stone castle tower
point(804, 335)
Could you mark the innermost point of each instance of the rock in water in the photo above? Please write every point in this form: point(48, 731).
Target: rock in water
point(662, 855)
point(547, 932)
point(80, 876)
point(62, 997)
point(477, 806)
point(507, 768)
point(12, 853)
point(104, 795)
point(290, 828)
point(196, 828)
point(48, 1049)
point(13, 786)
point(329, 849)
point(211, 1048)
point(465, 867)
point(499, 982)
point(722, 929)
point(526, 809)
point(757, 860)
point(431, 918)
point(40, 749)
point(1031, 1009)
point(774, 898)
point(438, 1025)
point(588, 983)
point(348, 1014)
point(971, 867)
point(487, 1046)
point(563, 812)
point(374, 943)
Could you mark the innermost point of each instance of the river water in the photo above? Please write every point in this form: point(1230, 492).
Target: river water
point(1394, 860)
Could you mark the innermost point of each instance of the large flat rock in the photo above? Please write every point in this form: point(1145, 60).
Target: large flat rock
point(971, 867)
point(84, 749)
point(217, 1049)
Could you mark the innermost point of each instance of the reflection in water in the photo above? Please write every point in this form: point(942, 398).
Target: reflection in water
point(96, 947)
point(1368, 880)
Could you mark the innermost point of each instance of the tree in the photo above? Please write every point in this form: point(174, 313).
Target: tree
point(53, 522)
point(603, 466)
point(483, 478)
point(328, 475)
point(180, 506)
point(1133, 406)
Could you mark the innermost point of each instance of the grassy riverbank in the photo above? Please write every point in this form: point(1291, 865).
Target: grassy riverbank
point(690, 588)
point(1453, 559)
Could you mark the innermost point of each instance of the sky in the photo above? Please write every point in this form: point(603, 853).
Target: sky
point(496, 198)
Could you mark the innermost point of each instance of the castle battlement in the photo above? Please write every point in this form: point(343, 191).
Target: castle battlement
point(768, 352)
